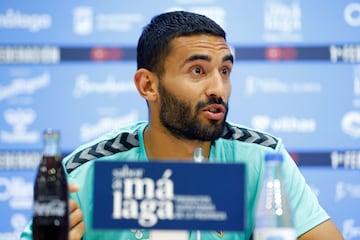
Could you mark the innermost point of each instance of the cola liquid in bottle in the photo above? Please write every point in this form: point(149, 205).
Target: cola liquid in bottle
point(50, 209)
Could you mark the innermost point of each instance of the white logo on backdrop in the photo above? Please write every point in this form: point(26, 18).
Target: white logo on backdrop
point(346, 191)
point(350, 124)
point(83, 20)
point(19, 119)
point(90, 131)
point(84, 86)
point(19, 221)
point(33, 22)
point(284, 124)
point(268, 85)
point(29, 55)
point(347, 159)
point(21, 86)
point(346, 53)
point(352, 14)
point(117, 22)
point(282, 21)
point(350, 230)
point(16, 160)
point(9, 191)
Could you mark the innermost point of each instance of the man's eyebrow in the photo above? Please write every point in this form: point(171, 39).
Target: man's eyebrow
point(195, 57)
point(229, 57)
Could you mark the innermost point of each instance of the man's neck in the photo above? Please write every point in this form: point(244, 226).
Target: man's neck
point(162, 145)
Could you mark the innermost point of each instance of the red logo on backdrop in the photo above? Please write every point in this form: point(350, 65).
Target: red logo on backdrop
point(101, 54)
point(280, 53)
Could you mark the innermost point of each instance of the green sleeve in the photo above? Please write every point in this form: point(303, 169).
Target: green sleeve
point(27, 233)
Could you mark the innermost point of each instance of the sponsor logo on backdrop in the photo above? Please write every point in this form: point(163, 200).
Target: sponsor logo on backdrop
point(349, 53)
point(346, 191)
point(22, 86)
point(106, 54)
point(16, 201)
point(33, 22)
point(18, 222)
point(117, 22)
point(86, 21)
point(17, 160)
point(273, 53)
point(90, 131)
point(19, 119)
point(29, 54)
point(9, 192)
point(351, 230)
point(288, 124)
point(84, 86)
point(267, 85)
point(352, 14)
point(350, 124)
point(83, 23)
point(346, 159)
point(282, 21)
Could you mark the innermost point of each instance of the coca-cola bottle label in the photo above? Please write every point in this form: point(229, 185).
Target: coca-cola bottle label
point(52, 208)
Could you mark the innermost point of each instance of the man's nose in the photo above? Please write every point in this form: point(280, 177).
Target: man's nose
point(216, 85)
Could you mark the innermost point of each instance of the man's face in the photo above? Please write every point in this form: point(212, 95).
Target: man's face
point(195, 87)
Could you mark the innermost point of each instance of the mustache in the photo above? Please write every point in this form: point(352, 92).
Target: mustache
point(210, 101)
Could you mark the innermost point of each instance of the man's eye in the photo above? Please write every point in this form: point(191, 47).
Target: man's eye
point(225, 71)
point(197, 70)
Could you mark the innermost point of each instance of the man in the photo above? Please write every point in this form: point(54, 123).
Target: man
point(184, 66)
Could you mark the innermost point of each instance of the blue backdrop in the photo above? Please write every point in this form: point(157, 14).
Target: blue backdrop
point(69, 65)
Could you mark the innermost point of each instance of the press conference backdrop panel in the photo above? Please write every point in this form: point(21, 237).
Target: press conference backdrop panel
point(69, 65)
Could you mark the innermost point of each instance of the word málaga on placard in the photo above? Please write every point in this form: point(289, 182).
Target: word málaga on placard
point(138, 197)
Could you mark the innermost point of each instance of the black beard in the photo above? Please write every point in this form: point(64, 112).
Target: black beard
point(177, 116)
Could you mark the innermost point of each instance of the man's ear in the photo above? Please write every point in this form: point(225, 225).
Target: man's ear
point(146, 84)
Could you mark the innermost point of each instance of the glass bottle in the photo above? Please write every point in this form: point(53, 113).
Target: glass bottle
point(50, 207)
